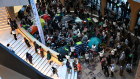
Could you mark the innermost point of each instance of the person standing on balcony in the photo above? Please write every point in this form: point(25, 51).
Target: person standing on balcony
point(14, 33)
point(29, 57)
point(27, 42)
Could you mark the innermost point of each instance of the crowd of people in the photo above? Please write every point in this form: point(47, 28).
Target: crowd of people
point(116, 49)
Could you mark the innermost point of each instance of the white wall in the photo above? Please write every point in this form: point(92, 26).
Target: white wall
point(4, 3)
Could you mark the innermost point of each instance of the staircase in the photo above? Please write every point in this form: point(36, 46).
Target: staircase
point(3, 19)
point(39, 63)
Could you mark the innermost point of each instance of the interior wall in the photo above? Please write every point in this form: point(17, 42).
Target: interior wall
point(4, 3)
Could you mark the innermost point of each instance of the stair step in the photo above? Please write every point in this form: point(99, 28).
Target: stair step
point(50, 73)
point(24, 53)
point(2, 12)
point(46, 66)
point(3, 21)
point(35, 57)
point(47, 70)
point(3, 15)
point(5, 28)
point(20, 42)
point(40, 63)
point(31, 50)
point(20, 48)
point(13, 41)
point(43, 65)
point(17, 42)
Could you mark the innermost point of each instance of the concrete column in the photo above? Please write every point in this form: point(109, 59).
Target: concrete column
point(135, 8)
point(103, 6)
point(10, 12)
point(37, 21)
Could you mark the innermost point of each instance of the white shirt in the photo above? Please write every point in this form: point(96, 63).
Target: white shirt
point(72, 49)
point(13, 32)
point(67, 56)
point(94, 47)
point(101, 53)
point(112, 52)
point(112, 68)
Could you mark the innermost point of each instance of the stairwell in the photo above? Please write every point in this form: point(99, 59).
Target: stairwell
point(39, 63)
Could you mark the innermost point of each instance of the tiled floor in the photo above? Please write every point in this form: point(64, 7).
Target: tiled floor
point(95, 68)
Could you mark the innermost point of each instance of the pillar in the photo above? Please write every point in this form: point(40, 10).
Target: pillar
point(135, 8)
point(37, 21)
point(103, 6)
